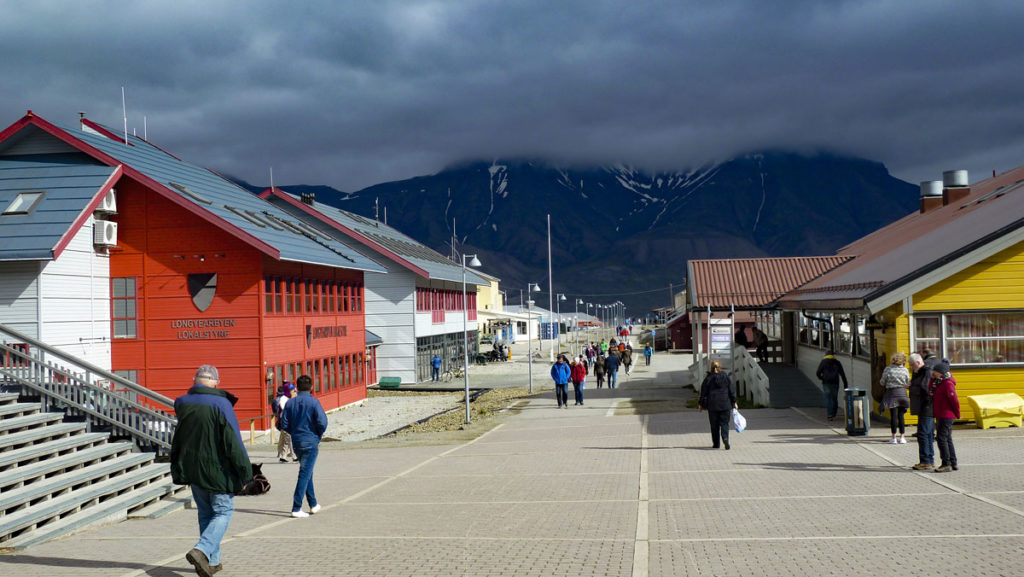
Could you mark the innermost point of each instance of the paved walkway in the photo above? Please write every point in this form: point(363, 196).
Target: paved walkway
point(616, 487)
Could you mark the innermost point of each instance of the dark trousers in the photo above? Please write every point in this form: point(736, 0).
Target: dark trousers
point(944, 437)
point(562, 393)
point(896, 419)
point(578, 390)
point(600, 380)
point(719, 426)
point(926, 436)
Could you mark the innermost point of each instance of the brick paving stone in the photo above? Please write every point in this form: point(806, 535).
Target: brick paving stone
point(508, 487)
point(560, 493)
point(906, 557)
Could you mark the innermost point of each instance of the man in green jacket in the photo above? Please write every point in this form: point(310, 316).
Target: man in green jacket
point(207, 453)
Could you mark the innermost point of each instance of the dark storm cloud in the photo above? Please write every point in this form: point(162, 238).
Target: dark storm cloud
point(362, 92)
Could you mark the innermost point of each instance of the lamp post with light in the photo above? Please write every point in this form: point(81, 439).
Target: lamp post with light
point(576, 326)
point(530, 288)
point(475, 262)
point(558, 325)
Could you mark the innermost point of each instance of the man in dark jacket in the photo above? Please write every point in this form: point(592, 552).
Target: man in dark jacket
point(830, 370)
point(921, 366)
point(304, 419)
point(611, 368)
point(207, 453)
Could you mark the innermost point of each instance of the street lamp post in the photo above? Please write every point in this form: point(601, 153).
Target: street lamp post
point(530, 287)
point(558, 325)
point(475, 262)
point(576, 326)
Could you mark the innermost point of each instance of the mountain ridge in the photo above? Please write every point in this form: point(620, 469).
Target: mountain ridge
point(619, 230)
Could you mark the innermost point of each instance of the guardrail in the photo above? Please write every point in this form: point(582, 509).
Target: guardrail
point(79, 389)
point(252, 426)
point(751, 382)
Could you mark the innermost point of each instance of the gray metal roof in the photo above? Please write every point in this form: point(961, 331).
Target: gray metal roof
point(69, 183)
point(437, 266)
point(221, 197)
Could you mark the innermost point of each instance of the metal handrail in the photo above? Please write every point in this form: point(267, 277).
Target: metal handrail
point(79, 388)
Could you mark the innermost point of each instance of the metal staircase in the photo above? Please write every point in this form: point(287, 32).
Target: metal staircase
point(78, 445)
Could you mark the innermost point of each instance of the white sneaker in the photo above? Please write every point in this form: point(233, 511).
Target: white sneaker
point(893, 441)
point(314, 510)
point(300, 514)
point(903, 440)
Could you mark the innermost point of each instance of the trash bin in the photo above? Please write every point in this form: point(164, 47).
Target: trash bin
point(858, 412)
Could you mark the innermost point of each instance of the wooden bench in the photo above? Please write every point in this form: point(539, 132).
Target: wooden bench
point(389, 382)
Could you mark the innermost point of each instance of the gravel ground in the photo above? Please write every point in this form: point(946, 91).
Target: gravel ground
point(384, 412)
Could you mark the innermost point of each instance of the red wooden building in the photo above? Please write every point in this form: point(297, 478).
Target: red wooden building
point(202, 271)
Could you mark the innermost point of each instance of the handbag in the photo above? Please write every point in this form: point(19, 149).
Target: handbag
point(739, 422)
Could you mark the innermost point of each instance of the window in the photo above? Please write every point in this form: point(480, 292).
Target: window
point(122, 301)
point(24, 202)
point(973, 338)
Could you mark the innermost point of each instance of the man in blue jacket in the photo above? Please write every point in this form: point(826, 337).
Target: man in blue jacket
point(560, 374)
point(207, 453)
point(304, 419)
point(611, 368)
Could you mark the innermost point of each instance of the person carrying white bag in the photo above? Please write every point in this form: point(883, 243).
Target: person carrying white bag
point(718, 398)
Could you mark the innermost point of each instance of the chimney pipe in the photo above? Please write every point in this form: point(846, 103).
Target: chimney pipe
point(931, 195)
point(954, 186)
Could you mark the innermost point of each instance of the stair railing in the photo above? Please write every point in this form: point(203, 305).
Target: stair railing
point(80, 389)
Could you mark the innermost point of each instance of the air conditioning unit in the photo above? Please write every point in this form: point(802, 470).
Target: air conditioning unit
point(104, 233)
point(109, 203)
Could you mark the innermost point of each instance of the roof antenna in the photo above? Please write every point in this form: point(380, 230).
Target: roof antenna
point(145, 133)
point(385, 215)
point(376, 209)
point(124, 111)
point(271, 179)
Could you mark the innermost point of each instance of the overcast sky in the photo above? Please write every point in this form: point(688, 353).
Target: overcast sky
point(353, 93)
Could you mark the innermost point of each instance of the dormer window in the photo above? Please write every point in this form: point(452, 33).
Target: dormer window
point(24, 203)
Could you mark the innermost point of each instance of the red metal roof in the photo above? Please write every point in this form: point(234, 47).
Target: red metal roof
point(890, 257)
point(753, 282)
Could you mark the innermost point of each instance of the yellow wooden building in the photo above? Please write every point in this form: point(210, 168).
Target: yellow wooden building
point(948, 278)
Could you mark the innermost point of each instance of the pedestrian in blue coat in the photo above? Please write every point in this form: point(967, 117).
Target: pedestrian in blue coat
point(560, 373)
point(304, 419)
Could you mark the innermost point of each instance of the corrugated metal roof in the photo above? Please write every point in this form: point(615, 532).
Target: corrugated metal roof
point(69, 183)
point(211, 192)
point(752, 282)
point(436, 265)
point(895, 255)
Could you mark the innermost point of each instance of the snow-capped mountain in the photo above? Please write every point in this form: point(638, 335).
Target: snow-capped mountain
point(618, 232)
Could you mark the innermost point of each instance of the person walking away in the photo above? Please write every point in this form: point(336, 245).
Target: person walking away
point(921, 405)
point(627, 358)
point(718, 398)
point(590, 355)
point(208, 455)
point(285, 450)
point(435, 368)
point(304, 419)
point(599, 370)
point(611, 368)
point(830, 370)
point(895, 381)
point(560, 372)
point(578, 374)
point(741, 338)
point(946, 407)
point(760, 344)
point(648, 353)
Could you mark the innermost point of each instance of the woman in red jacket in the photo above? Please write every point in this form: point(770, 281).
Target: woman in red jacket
point(946, 407)
point(578, 374)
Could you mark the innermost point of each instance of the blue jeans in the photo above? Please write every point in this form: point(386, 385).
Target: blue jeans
point(613, 377)
point(307, 452)
point(926, 437)
point(562, 393)
point(831, 398)
point(578, 389)
point(435, 372)
point(215, 510)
